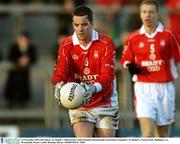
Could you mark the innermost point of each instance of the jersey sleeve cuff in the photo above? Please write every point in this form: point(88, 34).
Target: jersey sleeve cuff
point(98, 87)
point(125, 64)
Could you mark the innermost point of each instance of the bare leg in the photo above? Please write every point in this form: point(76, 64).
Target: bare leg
point(105, 132)
point(147, 126)
point(163, 131)
point(83, 129)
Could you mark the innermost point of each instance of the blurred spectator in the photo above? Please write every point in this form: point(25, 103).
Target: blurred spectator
point(129, 16)
point(76, 2)
point(1, 54)
point(15, 1)
point(174, 16)
point(65, 17)
point(117, 15)
point(22, 54)
point(112, 15)
point(113, 2)
point(122, 39)
point(63, 32)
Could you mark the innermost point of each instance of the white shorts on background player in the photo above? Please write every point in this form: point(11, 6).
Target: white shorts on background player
point(156, 101)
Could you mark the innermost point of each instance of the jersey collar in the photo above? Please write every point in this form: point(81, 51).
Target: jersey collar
point(159, 28)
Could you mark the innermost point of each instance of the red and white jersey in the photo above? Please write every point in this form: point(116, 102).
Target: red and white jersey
point(156, 55)
point(93, 64)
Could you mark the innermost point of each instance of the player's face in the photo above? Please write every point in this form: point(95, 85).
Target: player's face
point(149, 15)
point(83, 28)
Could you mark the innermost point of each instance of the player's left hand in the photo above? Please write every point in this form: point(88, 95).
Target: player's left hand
point(89, 91)
point(57, 89)
point(133, 68)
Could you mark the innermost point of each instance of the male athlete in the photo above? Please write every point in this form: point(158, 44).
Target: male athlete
point(87, 57)
point(151, 54)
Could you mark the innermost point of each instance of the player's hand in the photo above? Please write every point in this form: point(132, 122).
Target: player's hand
point(133, 68)
point(57, 89)
point(89, 91)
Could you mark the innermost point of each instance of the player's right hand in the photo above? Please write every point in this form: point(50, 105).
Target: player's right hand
point(57, 89)
point(89, 91)
point(133, 68)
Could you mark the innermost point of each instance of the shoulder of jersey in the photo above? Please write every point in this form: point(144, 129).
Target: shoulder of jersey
point(67, 40)
point(134, 34)
point(168, 31)
point(104, 38)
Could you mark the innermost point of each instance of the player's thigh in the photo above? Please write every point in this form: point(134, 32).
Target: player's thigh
point(83, 129)
point(144, 105)
point(165, 104)
point(106, 126)
point(100, 132)
point(147, 126)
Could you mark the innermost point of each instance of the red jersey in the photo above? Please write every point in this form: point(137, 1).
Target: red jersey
point(94, 64)
point(174, 16)
point(156, 55)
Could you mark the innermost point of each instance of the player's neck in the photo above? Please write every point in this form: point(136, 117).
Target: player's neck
point(85, 42)
point(150, 29)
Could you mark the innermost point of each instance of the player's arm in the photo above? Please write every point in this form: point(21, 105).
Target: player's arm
point(60, 72)
point(127, 54)
point(127, 59)
point(107, 67)
point(175, 48)
point(61, 66)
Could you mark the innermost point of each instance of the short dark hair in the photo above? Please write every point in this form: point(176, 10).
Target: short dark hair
point(83, 10)
point(151, 2)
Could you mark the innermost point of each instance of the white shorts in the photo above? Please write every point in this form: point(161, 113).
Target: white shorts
point(156, 101)
point(107, 118)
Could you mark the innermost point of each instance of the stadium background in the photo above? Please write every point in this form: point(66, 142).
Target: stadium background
point(43, 20)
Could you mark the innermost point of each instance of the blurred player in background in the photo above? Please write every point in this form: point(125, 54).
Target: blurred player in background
point(151, 54)
point(87, 57)
point(173, 7)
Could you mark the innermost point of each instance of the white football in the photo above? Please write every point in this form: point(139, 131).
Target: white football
point(72, 95)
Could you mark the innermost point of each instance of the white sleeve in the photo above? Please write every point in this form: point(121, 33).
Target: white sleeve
point(98, 86)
